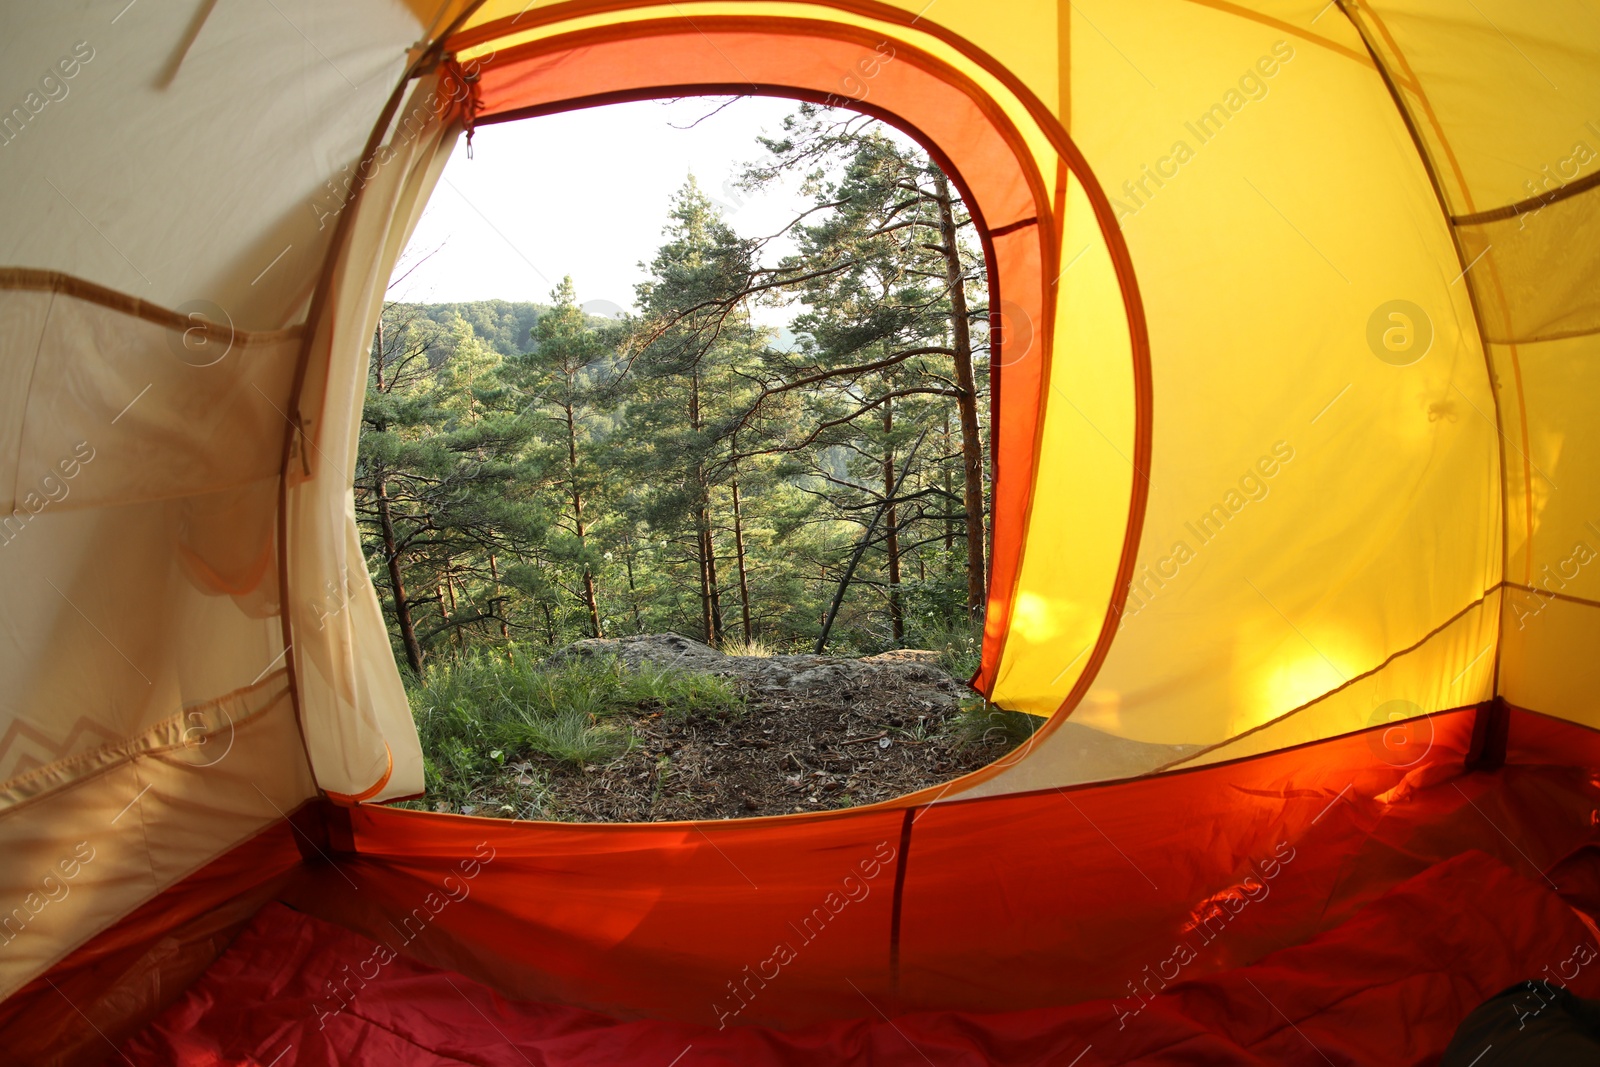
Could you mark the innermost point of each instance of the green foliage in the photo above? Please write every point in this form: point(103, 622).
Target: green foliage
point(503, 325)
point(531, 474)
point(958, 643)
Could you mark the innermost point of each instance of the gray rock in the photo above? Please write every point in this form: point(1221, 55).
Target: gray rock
point(912, 672)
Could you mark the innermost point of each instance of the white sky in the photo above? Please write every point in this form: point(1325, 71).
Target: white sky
point(584, 193)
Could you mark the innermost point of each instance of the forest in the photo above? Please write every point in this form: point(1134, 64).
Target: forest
point(530, 474)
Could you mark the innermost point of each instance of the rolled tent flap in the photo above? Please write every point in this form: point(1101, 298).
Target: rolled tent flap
point(357, 720)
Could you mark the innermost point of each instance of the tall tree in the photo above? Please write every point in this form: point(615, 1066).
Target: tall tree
point(440, 481)
point(557, 378)
point(884, 272)
point(687, 358)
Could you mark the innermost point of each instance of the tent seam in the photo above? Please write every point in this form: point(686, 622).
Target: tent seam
point(30, 279)
point(1286, 27)
point(1532, 203)
point(1429, 167)
point(128, 752)
point(1553, 594)
point(27, 403)
point(896, 911)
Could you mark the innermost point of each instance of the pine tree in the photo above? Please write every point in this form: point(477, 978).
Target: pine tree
point(557, 380)
point(686, 357)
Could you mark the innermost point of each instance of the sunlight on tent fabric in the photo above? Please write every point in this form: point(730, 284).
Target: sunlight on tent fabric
point(1289, 684)
point(1316, 477)
point(1100, 710)
point(1034, 619)
point(1454, 668)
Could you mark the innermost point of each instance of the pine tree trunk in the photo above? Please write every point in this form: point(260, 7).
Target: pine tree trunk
point(822, 617)
point(633, 592)
point(949, 493)
point(450, 615)
point(397, 586)
point(897, 620)
point(710, 596)
point(589, 599)
point(710, 550)
point(703, 555)
point(738, 545)
point(391, 554)
point(494, 574)
point(705, 585)
point(966, 398)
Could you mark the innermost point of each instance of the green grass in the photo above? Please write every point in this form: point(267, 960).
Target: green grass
point(959, 644)
point(980, 722)
point(480, 713)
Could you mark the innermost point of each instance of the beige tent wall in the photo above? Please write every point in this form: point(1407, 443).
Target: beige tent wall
point(147, 718)
point(195, 146)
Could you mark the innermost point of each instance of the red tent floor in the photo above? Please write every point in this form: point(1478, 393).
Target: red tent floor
point(1385, 987)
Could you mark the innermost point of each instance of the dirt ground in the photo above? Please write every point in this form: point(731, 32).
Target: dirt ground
point(818, 732)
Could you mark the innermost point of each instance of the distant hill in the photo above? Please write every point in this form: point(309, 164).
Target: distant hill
point(505, 324)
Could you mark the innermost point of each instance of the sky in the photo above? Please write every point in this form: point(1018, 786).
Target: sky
point(584, 193)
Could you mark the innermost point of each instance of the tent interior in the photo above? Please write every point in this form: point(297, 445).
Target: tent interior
point(1294, 501)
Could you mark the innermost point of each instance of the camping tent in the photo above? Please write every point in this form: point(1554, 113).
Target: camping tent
point(1295, 503)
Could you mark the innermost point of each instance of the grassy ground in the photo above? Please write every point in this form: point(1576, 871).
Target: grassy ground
point(505, 734)
point(482, 718)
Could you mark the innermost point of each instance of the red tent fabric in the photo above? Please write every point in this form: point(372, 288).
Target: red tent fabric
point(1386, 987)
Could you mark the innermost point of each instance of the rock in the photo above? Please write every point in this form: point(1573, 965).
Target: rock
point(912, 674)
point(658, 650)
point(906, 655)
